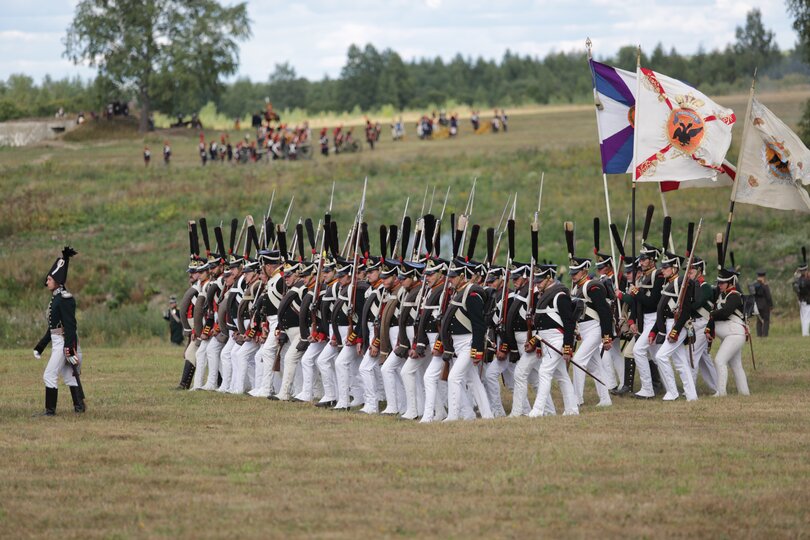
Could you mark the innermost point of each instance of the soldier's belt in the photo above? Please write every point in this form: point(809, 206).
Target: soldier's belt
point(57, 331)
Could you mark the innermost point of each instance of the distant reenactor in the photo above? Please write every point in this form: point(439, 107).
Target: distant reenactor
point(202, 150)
point(761, 291)
point(801, 285)
point(147, 156)
point(62, 333)
point(167, 153)
point(324, 140)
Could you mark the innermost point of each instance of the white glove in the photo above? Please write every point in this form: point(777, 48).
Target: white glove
point(37, 355)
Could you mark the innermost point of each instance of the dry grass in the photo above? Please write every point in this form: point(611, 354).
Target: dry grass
point(147, 461)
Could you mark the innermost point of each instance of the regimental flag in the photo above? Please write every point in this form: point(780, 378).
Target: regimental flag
point(725, 178)
point(682, 134)
point(614, 95)
point(773, 164)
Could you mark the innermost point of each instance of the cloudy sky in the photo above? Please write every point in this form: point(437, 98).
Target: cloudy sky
point(313, 36)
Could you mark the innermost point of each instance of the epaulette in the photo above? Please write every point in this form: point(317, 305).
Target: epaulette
point(67, 294)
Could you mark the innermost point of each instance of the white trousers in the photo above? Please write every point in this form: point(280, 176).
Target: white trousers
point(291, 361)
point(202, 363)
point(492, 378)
point(344, 372)
point(677, 353)
point(309, 372)
point(392, 380)
point(435, 388)
point(58, 366)
point(242, 360)
point(613, 365)
point(804, 316)
point(643, 352)
point(729, 355)
point(552, 367)
point(589, 356)
point(465, 373)
point(213, 354)
point(225, 365)
point(267, 381)
point(526, 373)
point(413, 380)
point(701, 358)
point(326, 366)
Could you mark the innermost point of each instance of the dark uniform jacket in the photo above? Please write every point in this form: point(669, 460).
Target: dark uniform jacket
point(61, 314)
point(465, 315)
point(430, 317)
point(554, 310)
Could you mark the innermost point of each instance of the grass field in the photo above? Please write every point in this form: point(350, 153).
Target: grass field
point(147, 461)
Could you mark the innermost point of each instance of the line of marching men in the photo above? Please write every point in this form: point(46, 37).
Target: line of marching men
point(409, 333)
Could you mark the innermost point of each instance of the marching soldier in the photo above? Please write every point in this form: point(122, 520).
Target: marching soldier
point(66, 356)
point(235, 284)
point(427, 333)
point(669, 332)
point(801, 285)
point(463, 332)
point(701, 307)
point(350, 388)
point(381, 277)
point(272, 261)
point(314, 334)
point(728, 323)
point(246, 331)
point(595, 328)
point(625, 315)
point(644, 297)
point(391, 364)
point(413, 369)
point(288, 332)
point(497, 365)
point(554, 323)
point(612, 359)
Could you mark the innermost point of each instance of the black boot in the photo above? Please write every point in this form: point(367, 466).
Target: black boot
point(188, 376)
point(78, 398)
point(219, 379)
point(51, 395)
point(629, 378)
point(658, 386)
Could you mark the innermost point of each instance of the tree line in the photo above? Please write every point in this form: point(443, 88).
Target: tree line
point(373, 79)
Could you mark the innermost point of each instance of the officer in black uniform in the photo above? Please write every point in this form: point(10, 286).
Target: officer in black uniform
point(65, 360)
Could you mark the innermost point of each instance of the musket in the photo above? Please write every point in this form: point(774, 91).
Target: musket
point(465, 217)
point(239, 238)
point(398, 239)
point(327, 219)
point(535, 253)
point(266, 215)
point(432, 196)
point(682, 293)
point(499, 228)
point(419, 229)
point(358, 221)
point(436, 237)
point(286, 222)
point(750, 340)
point(575, 364)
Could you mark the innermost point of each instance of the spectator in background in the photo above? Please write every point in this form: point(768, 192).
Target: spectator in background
point(175, 326)
point(761, 292)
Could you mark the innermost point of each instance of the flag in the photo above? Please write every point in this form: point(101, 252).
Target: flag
point(725, 178)
point(681, 134)
point(614, 95)
point(773, 164)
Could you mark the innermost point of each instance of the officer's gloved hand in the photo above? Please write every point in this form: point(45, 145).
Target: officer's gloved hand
point(37, 354)
point(70, 356)
point(447, 356)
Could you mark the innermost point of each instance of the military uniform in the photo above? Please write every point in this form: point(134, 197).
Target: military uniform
point(595, 328)
point(427, 332)
point(644, 298)
point(370, 325)
point(672, 332)
point(463, 332)
point(62, 333)
point(413, 368)
point(267, 383)
point(801, 286)
point(728, 323)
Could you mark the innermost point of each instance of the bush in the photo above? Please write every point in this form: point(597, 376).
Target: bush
point(10, 111)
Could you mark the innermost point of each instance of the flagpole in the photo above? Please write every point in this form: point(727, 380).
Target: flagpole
point(598, 105)
point(635, 157)
point(738, 178)
point(666, 213)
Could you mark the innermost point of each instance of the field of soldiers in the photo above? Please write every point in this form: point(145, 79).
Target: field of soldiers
point(146, 460)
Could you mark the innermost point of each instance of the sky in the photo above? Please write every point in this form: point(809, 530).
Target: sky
point(313, 36)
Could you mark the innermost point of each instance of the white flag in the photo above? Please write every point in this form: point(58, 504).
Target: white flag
point(680, 133)
point(773, 164)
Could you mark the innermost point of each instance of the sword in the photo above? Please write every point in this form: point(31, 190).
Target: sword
point(750, 340)
point(558, 351)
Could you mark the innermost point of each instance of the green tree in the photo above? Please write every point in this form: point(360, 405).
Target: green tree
point(755, 46)
point(171, 53)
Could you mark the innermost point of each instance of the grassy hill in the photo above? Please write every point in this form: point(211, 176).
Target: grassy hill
point(128, 221)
